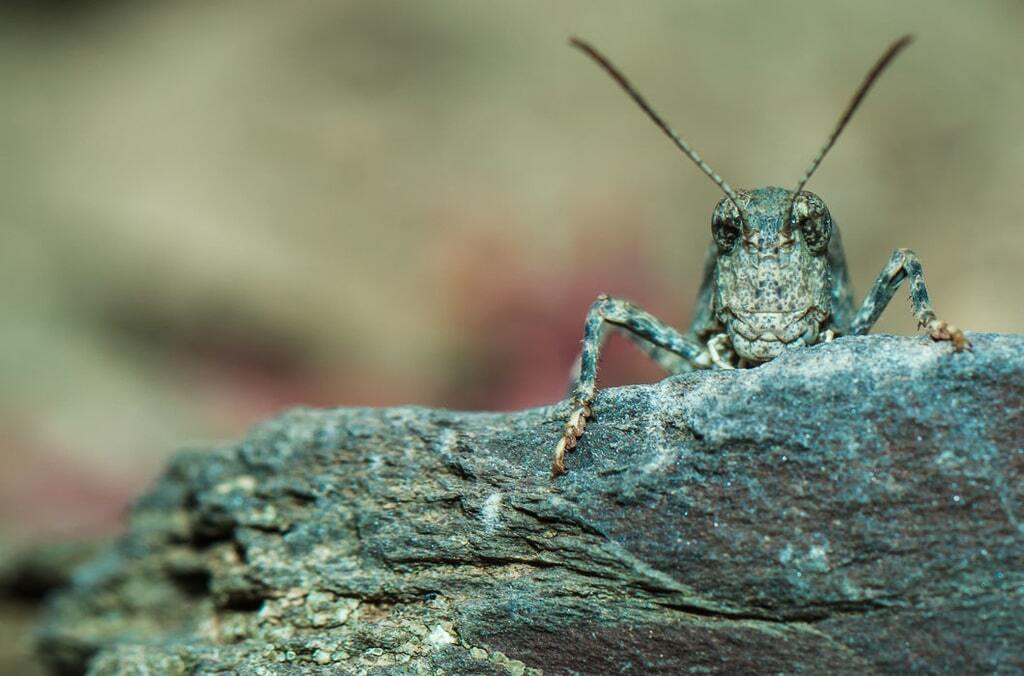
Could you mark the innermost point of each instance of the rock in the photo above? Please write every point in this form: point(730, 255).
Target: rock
point(29, 570)
point(853, 507)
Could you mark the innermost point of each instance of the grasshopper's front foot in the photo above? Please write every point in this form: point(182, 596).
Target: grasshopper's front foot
point(941, 330)
point(573, 431)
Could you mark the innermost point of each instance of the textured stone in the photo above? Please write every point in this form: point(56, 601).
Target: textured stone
point(852, 507)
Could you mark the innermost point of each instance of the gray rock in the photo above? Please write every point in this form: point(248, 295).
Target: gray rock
point(852, 507)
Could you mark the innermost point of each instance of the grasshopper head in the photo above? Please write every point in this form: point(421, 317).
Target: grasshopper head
point(772, 278)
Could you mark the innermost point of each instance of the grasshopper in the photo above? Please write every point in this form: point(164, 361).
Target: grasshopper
point(775, 278)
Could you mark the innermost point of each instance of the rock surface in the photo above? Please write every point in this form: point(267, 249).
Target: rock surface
point(855, 507)
point(28, 572)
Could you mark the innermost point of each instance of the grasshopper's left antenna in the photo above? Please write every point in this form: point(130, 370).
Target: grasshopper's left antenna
point(617, 75)
point(890, 54)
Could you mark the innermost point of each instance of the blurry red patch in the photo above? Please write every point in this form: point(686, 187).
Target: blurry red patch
point(522, 321)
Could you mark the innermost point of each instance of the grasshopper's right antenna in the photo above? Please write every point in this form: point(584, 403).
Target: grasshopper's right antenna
point(890, 54)
point(617, 75)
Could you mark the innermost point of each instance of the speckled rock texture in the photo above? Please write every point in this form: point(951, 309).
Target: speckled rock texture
point(855, 507)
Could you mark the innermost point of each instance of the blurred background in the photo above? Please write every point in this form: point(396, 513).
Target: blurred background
point(212, 211)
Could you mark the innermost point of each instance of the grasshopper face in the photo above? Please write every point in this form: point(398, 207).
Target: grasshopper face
point(772, 277)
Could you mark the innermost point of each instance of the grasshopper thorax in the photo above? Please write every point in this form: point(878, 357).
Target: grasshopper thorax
point(772, 278)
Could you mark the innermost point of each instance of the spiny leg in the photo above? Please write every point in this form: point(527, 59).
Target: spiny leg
point(670, 361)
point(904, 264)
point(641, 326)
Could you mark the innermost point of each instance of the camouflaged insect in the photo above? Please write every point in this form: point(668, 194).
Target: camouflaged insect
point(775, 279)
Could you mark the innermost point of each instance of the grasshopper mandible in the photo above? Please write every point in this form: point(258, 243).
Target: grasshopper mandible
point(775, 278)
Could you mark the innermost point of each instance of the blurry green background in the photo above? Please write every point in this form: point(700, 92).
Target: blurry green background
point(211, 211)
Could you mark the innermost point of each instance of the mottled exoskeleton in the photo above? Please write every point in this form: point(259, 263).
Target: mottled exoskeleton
point(775, 279)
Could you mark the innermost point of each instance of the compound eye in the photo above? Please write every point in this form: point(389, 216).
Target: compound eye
point(817, 231)
point(725, 231)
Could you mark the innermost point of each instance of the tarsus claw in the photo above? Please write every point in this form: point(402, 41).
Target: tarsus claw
point(940, 330)
point(573, 431)
point(558, 466)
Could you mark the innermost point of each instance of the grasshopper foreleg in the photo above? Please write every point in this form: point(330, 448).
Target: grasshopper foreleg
point(666, 345)
point(904, 264)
